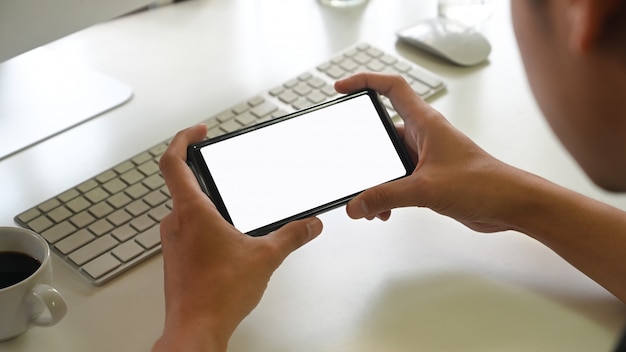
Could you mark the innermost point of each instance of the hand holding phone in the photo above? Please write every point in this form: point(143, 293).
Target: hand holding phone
point(301, 164)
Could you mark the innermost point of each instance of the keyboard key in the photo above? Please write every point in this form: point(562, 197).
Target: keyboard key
point(123, 167)
point(155, 198)
point(142, 223)
point(29, 215)
point(40, 224)
point(329, 91)
point(256, 101)
point(291, 83)
point(426, 77)
point(93, 249)
point(154, 182)
point(388, 59)
point(115, 185)
point(106, 176)
point(402, 66)
point(389, 71)
point(127, 251)
point(241, 108)
point(214, 132)
point(119, 200)
point(87, 185)
point(59, 214)
point(101, 227)
point(225, 116)
point(137, 207)
point(119, 217)
point(349, 65)
point(305, 76)
point(49, 205)
point(316, 97)
point(263, 109)
point(362, 58)
point(325, 66)
point(336, 72)
point(78, 204)
point(231, 126)
point(58, 232)
point(159, 149)
point(301, 103)
point(316, 82)
point(74, 241)
point(82, 219)
point(149, 168)
point(68, 195)
point(150, 238)
point(137, 191)
point(288, 96)
point(246, 118)
point(124, 233)
point(302, 89)
point(277, 91)
point(374, 52)
point(101, 265)
point(141, 158)
point(101, 210)
point(132, 176)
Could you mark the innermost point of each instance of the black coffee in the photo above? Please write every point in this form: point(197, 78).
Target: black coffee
point(15, 267)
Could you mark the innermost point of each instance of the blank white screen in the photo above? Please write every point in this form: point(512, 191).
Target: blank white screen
point(275, 172)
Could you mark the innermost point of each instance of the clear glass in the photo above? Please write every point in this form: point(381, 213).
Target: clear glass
point(470, 12)
point(342, 3)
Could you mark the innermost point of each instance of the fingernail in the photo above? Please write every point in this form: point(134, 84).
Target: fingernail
point(364, 208)
point(313, 227)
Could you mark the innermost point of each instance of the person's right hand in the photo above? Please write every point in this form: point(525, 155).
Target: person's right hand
point(453, 176)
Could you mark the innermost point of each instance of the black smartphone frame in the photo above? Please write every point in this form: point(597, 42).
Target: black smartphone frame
point(199, 167)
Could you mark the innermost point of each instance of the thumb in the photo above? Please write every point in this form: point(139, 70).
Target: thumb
point(294, 235)
point(381, 199)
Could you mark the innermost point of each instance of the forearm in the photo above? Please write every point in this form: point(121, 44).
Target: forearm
point(587, 233)
point(187, 335)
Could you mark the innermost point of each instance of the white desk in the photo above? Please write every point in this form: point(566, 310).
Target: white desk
point(418, 282)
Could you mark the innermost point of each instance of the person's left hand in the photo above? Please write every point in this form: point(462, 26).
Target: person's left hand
point(214, 274)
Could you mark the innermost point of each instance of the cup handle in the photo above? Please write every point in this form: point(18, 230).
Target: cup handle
point(54, 303)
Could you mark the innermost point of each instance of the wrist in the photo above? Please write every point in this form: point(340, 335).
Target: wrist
point(546, 211)
point(528, 202)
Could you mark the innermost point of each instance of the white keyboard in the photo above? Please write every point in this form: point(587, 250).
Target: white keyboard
point(110, 223)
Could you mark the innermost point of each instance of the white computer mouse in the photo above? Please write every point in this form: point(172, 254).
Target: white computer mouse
point(448, 39)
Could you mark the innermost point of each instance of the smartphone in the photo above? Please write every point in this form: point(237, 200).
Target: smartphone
point(301, 164)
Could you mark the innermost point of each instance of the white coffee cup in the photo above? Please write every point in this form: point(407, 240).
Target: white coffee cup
point(31, 301)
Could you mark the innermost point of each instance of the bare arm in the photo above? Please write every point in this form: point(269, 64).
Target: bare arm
point(457, 178)
point(589, 234)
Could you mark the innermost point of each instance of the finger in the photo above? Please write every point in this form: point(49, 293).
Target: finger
point(402, 96)
point(295, 234)
point(178, 176)
point(400, 129)
point(380, 200)
point(384, 216)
